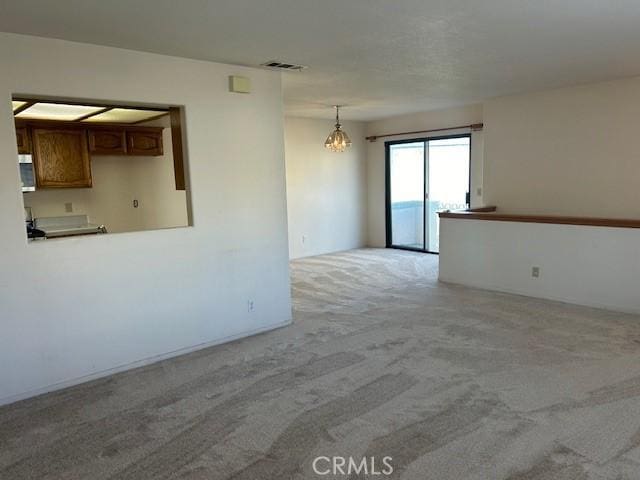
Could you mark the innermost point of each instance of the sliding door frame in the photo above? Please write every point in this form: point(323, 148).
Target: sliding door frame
point(387, 180)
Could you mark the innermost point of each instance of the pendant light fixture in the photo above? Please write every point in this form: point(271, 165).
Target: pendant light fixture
point(338, 141)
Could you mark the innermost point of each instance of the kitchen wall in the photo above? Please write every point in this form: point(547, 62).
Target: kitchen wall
point(569, 151)
point(466, 115)
point(75, 309)
point(326, 191)
point(117, 181)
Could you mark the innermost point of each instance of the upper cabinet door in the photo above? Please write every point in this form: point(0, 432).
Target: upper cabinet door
point(107, 142)
point(144, 142)
point(23, 140)
point(61, 158)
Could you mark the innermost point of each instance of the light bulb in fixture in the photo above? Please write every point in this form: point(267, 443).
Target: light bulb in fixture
point(338, 140)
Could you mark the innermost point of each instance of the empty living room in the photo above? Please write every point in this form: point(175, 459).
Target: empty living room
point(302, 240)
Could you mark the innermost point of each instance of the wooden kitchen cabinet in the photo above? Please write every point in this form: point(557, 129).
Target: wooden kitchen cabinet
point(144, 142)
point(62, 150)
point(23, 140)
point(107, 142)
point(61, 158)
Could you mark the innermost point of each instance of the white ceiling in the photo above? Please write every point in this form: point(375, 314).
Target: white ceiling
point(379, 57)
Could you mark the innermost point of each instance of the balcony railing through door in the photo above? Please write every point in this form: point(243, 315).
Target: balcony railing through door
point(424, 177)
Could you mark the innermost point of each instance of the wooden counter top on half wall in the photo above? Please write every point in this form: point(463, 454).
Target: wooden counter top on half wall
point(490, 213)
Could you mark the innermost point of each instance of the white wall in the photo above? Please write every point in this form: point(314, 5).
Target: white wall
point(570, 151)
point(75, 308)
point(117, 181)
point(420, 121)
point(326, 191)
point(595, 266)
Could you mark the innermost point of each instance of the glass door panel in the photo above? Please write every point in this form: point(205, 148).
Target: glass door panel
point(448, 182)
point(407, 195)
point(423, 178)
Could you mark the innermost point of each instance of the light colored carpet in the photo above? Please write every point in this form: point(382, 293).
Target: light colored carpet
point(382, 360)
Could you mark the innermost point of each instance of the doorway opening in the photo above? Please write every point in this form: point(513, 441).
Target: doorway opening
point(423, 177)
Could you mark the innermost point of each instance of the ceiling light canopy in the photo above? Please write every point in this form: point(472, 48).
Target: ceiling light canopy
point(57, 111)
point(16, 104)
point(73, 112)
point(124, 115)
point(338, 140)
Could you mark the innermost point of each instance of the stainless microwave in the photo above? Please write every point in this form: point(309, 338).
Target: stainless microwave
point(27, 175)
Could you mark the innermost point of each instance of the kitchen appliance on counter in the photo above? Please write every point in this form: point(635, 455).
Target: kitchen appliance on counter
point(67, 226)
point(27, 175)
point(32, 232)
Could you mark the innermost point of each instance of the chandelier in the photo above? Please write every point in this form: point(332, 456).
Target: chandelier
point(338, 140)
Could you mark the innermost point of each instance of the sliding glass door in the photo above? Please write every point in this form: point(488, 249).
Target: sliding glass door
point(425, 177)
point(407, 179)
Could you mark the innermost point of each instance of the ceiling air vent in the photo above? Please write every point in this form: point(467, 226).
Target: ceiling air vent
point(282, 65)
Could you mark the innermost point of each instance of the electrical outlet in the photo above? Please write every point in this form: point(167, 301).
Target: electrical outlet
point(135, 204)
point(68, 207)
point(535, 272)
point(250, 306)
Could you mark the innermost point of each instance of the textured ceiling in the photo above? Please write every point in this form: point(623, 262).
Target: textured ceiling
point(379, 57)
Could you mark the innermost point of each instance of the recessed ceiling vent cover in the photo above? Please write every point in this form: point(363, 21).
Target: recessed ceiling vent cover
point(283, 66)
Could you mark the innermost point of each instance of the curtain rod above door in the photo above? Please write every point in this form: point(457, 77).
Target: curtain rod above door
point(473, 127)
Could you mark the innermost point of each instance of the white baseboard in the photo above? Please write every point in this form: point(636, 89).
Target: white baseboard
point(138, 363)
point(522, 293)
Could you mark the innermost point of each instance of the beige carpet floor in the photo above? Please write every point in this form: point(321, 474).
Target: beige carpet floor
point(382, 360)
